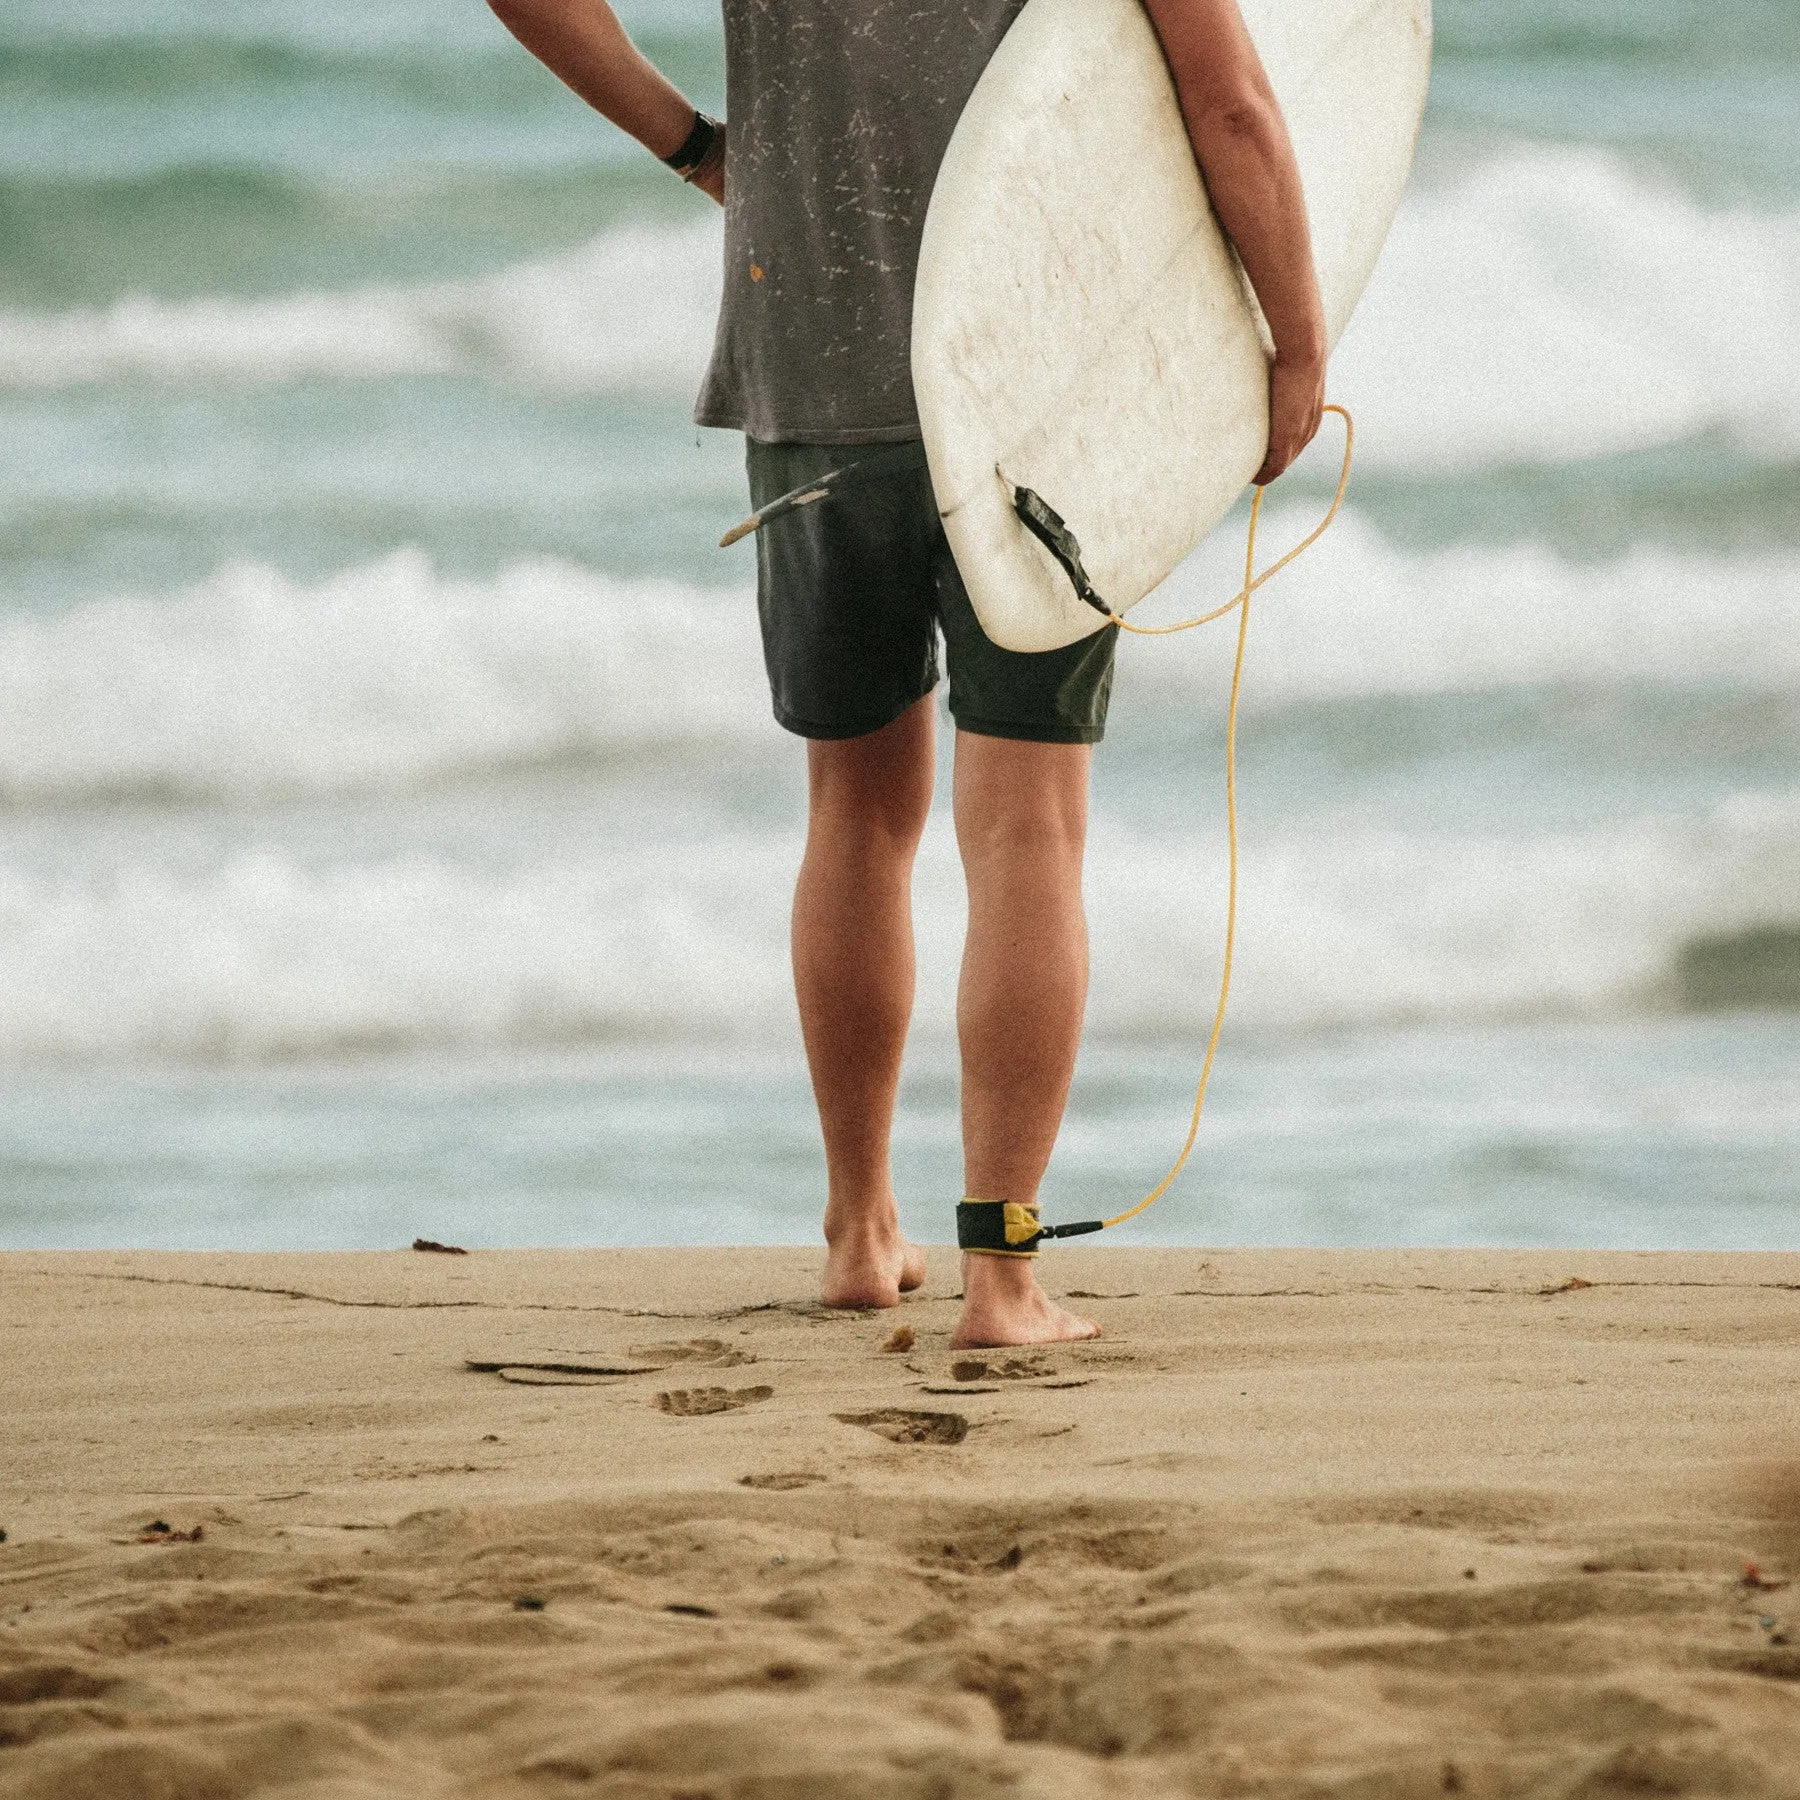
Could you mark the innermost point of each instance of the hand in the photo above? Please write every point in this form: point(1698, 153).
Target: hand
point(1296, 402)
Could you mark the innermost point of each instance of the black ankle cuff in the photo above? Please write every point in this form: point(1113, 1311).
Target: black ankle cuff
point(997, 1228)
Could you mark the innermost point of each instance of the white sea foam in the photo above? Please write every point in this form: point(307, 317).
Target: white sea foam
point(262, 953)
point(389, 674)
point(1552, 303)
point(1346, 925)
point(631, 310)
point(1358, 615)
point(384, 676)
point(1556, 304)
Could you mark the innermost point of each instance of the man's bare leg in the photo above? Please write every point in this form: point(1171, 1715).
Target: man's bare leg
point(853, 975)
point(1021, 823)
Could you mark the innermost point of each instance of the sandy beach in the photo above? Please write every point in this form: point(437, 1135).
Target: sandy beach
point(1303, 1523)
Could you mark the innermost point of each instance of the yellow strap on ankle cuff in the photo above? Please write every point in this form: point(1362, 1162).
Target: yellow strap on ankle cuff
point(1021, 1223)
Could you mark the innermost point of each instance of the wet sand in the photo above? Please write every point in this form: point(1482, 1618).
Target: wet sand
point(1302, 1524)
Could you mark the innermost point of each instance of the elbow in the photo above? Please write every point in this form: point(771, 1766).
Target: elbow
point(1247, 121)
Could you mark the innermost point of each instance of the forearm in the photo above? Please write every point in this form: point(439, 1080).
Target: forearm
point(1241, 143)
point(583, 44)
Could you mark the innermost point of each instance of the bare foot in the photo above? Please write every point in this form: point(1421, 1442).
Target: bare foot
point(869, 1266)
point(1003, 1305)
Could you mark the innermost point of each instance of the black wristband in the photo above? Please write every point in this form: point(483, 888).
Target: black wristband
point(695, 147)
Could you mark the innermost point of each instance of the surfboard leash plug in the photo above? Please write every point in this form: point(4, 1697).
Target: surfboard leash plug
point(1046, 524)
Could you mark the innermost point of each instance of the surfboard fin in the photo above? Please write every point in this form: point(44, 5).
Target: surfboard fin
point(1045, 524)
point(876, 466)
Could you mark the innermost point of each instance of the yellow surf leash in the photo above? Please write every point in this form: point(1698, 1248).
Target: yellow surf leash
point(1009, 1229)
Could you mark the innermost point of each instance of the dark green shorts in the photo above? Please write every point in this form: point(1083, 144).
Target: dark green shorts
point(853, 591)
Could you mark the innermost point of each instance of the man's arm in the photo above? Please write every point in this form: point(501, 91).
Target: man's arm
point(583, 44)
point(1241, 144)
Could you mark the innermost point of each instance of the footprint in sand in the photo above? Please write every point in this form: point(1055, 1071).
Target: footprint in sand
point(691, 1403)
point(903, 1427)
point(714, 1352)
point(523, 1375)
point(597, 1370)
point(551, 1374)
point(1000, 1368)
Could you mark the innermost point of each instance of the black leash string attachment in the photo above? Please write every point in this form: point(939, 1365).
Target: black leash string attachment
point(1046, 524)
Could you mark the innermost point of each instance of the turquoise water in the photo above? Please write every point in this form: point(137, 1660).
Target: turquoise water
point(392, 833)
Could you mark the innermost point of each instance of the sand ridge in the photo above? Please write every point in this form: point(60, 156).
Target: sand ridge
point(1302, 1524)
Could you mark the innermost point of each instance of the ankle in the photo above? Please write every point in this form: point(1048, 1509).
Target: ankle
point(874, 1223)
point(998, 1277)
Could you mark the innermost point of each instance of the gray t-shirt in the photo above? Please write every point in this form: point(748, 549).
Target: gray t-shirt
point(840, 112)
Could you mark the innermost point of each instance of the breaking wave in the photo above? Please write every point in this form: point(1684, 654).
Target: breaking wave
point(389, 675)
point(263, 955)
point(634, 309)
point(1552, 303)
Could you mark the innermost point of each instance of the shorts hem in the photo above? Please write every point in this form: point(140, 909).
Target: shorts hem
point(821, 732)
point(1029, 734)
point(766, 434)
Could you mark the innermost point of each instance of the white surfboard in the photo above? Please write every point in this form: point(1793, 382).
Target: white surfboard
point(1080, 324)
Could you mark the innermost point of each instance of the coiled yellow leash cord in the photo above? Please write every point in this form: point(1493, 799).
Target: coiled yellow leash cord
point(1241, 600)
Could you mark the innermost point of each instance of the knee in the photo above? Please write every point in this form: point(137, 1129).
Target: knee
point(1022, 809)
point(1013, 795)
point(872, 794)
point(870, 820)
point(1028, 829)
point(867, 808)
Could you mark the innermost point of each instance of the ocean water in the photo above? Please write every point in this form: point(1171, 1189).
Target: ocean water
point(393, 836)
